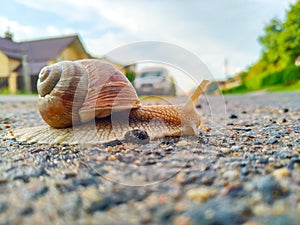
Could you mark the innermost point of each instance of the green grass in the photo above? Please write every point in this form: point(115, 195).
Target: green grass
point(6, 91)
point(292, 86)
point(236, 90)
point(295, 86)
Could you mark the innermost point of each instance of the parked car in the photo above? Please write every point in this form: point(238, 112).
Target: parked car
point(154, 81)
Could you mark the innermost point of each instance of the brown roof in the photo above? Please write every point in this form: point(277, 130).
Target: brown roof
point(37, 51)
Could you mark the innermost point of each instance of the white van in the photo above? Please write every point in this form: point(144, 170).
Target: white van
point(154, 81)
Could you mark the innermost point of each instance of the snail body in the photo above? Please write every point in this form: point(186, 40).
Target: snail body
point(90, 101)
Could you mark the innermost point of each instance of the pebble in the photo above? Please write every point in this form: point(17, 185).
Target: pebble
point(235, 148)
point(218, 211)
point(285, 110)
point(137, 136)
point(201, 194)
point(231, 175)
point(281, 173)
point(272, 141)
point(233, 116)
point(182, 143)
point(225, 150)
point(270, 188)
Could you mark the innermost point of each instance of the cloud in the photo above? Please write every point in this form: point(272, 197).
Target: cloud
point(20, 30)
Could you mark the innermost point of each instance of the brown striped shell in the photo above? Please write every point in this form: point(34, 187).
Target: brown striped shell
point(72, 92)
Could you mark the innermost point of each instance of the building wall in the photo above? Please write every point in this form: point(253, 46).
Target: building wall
point(7, 65)
point(13, 76)
point(4, 68)
point(12, 82)
point(70, 53)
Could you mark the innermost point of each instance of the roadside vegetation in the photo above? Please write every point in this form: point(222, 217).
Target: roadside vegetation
point(278, 68)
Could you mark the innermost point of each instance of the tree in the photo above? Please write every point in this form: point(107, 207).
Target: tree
point(280, 43)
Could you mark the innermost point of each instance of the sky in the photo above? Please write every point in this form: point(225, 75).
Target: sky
point(213, 30)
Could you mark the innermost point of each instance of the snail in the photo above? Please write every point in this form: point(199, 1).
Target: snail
point(90, 101)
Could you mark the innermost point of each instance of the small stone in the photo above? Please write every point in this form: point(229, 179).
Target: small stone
point(261, 209)
point(233, 116)
point(225, 150)
point(294, 163)
point(281, 173)
point(251, 222)
point(201, 194)
point(236, 154)
point(3, 180)
point(112, 158)
point(3, 206)
point(27, 211)
point(146, 217)
point(181, 220)
point(270, 188)
point(272, 141)
point(245, 171)
point(235, 148)
point(137, 136)
point(198, 106)
point(113, 143)
point(26, 172)
point(70, 174)
point(182, 143)
point(231, 175)
point(85, 182)
point(285, 110)
point(279, 207)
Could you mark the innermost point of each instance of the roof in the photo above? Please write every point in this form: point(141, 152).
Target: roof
point(38, 52)
point(45, 49)
point(10, 48)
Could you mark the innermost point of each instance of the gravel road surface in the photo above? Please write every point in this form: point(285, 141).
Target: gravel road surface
point(246, 170)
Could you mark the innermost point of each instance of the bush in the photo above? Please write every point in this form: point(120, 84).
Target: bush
point(130, 75)
point(236, 90)
point(285, 76)
point(253, 83)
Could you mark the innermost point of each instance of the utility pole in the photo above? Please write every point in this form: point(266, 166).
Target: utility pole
point(226, 68)
point(26, 75)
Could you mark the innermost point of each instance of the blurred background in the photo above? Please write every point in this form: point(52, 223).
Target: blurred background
point(247, 45)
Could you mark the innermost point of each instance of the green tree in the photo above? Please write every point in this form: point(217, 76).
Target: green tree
point(290, 37)
point(280, 43)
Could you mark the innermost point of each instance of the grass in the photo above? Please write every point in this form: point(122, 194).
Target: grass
point(295, 86)
point(236, 90)
point(6, 91)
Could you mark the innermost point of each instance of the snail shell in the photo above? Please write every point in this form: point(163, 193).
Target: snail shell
point(73, 93)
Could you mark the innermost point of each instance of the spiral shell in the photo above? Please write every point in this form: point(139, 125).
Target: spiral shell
point(72, 92)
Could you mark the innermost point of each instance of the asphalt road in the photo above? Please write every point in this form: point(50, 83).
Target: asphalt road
point(246, 170)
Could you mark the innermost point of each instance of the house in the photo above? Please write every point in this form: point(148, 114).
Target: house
point(21, 62)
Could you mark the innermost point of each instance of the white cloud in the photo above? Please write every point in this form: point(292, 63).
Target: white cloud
point(19, 30)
